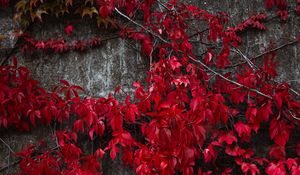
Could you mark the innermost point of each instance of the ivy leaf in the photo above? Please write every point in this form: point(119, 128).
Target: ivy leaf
point(69, 29)
point(278, 101)
point(243, 130)
point(246, 167)
point(21, 5)
point(99, 153)
point(38, 15)
point(84, 11)
point(78, 126)
point(276, 169)
point(64, 82)
point(105, 10)
point(277, 152)
point(229, 138)
point(107, 21)
point(279, 131)
point(234, 150)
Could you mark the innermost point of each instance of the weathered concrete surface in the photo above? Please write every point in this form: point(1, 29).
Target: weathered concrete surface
point(7, 29)
point(99, 70)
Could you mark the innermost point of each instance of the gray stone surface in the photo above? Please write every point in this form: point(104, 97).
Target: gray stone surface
point(7, 29)
point(100, 70)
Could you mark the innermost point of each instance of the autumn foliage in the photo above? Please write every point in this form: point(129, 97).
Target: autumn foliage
point(188, 118)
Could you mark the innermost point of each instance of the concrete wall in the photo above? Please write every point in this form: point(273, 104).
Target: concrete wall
point(99, 70)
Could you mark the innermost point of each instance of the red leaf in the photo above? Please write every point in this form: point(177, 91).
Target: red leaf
point(99, 153)
point(279, 131)
point(250, 167)
point(78, 126)
point(90, 118)
point(243, 130)
point(195, 103)
point(229, 138)
point(265, 111)
point(163, 165)
point(64, 82)
point(278, 101)
point(209, 154)
point(174, 63)
point(251, 113)
point(234, 150)
point(291, 162)
point(113, 152)
point(91, 134)
point(69, 29)
point(117, 123)
point(277, 152)
point(269, 3)
point(295, 170)
point(276, 169)
point(105, 11)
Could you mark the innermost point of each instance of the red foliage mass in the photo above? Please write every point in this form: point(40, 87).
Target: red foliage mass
point(185, 115)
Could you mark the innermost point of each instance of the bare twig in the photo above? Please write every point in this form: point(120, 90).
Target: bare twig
point(296, 118)
point(7, 145)
point(141, 26)
point(110, 38)
point(10, 165)
point(163, 5)
point(262, 54)
point(202, 31)
point(8, 162)
point(231, 81)
point(251, 64)
point(151, 58)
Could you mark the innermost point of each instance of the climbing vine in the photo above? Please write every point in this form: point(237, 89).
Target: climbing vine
point(196, 114)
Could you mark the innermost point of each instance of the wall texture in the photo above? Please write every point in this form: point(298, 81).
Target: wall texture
point(100, 70)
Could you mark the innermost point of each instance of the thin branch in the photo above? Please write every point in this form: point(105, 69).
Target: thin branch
point(202, 31)
point(110, 38)
point(10, 165)
point(251, 64)
point(162, 4)
point(262, 54)
point(296, 118)
point(141, 26)
point(231, 81)
point(151, 58)
point(7, 145)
